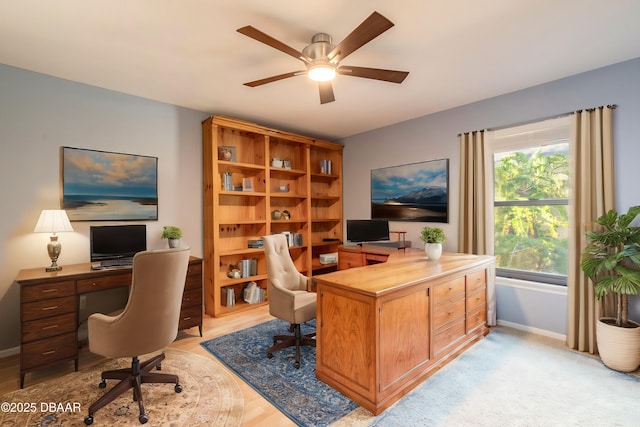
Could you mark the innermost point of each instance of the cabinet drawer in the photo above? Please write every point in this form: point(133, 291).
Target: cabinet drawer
point(448, 336)
point(443, 293)
point(190, 317)
point(447, 313)
point(477, 317)
point(476, 280)
point(101, 283)
point(476, 298)
point(349, 260)
point(192, 297)
point(194, 276)
point(48, 291)
point(49, 350)
point(48, 308)
point(49, 327)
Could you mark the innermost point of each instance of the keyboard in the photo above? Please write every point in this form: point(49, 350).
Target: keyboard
point(113, 263)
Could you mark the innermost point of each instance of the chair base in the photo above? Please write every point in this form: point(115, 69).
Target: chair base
point(134, 377)
point(297, 340)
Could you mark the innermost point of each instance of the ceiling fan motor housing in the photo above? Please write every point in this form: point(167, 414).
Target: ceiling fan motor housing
point(319, 49)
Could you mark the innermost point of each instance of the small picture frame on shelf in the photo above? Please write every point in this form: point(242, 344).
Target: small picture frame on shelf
point(227, 153)
point(286, 164)
point(247, 184)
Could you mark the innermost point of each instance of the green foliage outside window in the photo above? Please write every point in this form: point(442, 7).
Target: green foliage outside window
point(531, 216)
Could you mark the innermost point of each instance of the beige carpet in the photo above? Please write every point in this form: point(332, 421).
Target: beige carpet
point(210, 397)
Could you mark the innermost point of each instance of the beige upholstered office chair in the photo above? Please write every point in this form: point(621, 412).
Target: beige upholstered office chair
point(148, 323)
point(289, 299)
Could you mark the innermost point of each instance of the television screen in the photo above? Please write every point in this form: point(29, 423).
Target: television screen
point(367, 230)
point(117, 241)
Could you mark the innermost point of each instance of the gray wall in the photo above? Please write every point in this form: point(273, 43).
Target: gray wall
point(435, 137)
point(38, 115)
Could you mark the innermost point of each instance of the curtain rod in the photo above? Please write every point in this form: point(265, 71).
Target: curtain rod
point(612, 106)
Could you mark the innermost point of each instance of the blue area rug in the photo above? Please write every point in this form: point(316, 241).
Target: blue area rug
point(296, 392)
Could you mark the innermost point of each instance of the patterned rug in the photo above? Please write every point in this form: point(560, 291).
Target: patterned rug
point(296, 392)
point(210, 397)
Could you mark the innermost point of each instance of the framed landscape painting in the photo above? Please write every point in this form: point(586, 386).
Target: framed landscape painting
point(413, 192)
point(105, 186)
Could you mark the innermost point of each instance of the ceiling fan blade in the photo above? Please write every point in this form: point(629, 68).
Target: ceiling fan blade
point(258, 35)
point(326, 92)
point(274, 78)
point(370, 28)
point(392, 76)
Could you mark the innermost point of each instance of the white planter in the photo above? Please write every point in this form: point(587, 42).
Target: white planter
point(619, 348)
point(433, 251)
point(174, 243)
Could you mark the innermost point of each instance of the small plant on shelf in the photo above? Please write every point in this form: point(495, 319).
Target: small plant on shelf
point(173, 234)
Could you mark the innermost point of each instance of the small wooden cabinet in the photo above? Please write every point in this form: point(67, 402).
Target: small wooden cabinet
point(49, 309)
point(260, 181)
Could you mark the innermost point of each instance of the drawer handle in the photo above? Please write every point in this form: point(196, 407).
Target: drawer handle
point(186, 318)
point(53, 307)
point(46, 353)
point(93, 283)
point(49, 327)
point(45, 291)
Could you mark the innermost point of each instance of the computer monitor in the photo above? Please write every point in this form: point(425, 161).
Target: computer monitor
point(117, 241)
point(367, 230)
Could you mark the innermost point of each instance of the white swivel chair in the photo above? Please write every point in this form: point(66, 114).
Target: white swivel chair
point(148, 323)
point(289, 299)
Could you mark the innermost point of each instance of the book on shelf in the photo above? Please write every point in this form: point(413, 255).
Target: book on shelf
point(252, 293)
point(293, 239)
point(248, 267)
point(228, 297)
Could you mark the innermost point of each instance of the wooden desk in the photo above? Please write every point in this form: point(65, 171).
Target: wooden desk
point(49, 309)
point(382, 329)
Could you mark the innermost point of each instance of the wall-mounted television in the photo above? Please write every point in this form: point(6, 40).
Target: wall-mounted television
point(367, 230)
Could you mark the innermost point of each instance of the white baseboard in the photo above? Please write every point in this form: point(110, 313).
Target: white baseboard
point(9, 352)
point(532, 330)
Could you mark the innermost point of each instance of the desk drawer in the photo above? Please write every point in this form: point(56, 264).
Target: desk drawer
point(39, 353)
point(190, 317)
point(105, 282)
point(376, 257)
point(443, 293)
point(48, 291)
point(476, 280)
point(194, 276)
point(476, 298)
point(477, 317)
point(48, 308)
point(447, 313)
point(448, 336)
point(348, 260)
point(49, 327)
point(191, 297)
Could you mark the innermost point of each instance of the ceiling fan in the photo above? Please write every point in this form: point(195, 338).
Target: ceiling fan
point(323, 59)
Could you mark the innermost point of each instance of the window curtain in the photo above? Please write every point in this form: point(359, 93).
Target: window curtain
point(472, 227)
point(592, 196)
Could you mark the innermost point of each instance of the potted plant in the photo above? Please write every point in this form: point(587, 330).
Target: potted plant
point(612, 261)
point(432, 238)
point(172, 233)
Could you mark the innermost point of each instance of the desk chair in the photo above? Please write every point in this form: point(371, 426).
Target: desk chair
point(289, 299)
point(148, 323)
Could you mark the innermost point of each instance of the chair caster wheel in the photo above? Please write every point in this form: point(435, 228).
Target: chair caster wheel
point(269, 355)
point(88, 420)
point(143, 419)
point(159, 367)
point(178, 388)
point(102, 384)
point(296, 365)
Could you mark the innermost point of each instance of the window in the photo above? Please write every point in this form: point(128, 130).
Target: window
point(531, 188)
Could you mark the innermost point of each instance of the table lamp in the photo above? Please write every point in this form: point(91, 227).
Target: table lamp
point(53, 221)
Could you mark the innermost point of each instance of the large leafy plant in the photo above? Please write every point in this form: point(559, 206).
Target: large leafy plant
point(612, 259)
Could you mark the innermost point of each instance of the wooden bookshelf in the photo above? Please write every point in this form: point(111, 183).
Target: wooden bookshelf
point(247, 196)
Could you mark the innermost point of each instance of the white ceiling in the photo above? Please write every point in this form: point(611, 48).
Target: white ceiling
point(188, 53)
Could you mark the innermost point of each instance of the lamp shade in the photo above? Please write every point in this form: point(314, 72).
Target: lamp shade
point(53, 221)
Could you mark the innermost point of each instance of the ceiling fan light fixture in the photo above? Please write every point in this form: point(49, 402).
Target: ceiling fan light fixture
point(321, 72)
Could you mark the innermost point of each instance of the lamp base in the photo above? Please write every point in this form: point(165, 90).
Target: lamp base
point(53, 268)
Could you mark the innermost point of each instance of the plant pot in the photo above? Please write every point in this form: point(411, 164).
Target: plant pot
point(174, 243)
point(433, 251)
point(619, 347)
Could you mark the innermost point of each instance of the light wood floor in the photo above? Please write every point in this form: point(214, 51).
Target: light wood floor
point(257, 410)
